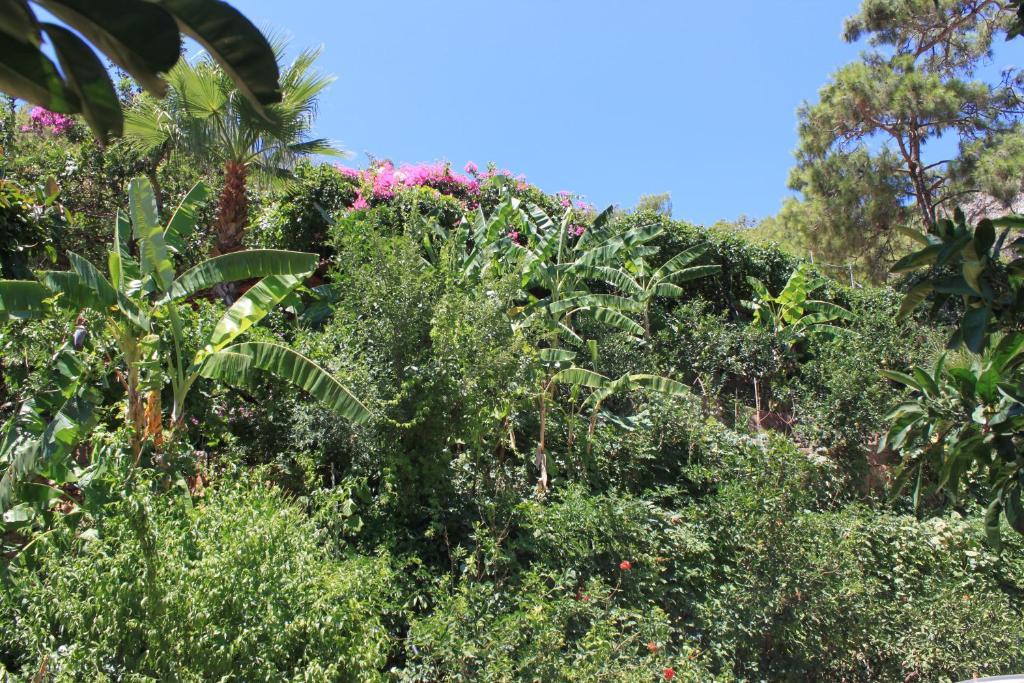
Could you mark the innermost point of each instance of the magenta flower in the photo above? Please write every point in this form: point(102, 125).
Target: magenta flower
point(45, 120)
point(471, 168)
point(348, 172)
point(359, 204)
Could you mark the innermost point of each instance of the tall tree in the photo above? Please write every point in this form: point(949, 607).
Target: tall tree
point(863, 146)
point(206, 118)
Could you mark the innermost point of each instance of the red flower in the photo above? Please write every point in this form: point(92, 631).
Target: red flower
point(585, 598)
point(669, 673)
point(652, 647)
point(625, 565)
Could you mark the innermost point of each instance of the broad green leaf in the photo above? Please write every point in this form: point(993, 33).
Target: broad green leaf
point(617, 320)
point(759, 288)
point(228, 366)
point(619, 279)
point(589, 301)
point(915, 235)
point(123, 267)
point(683, 258)
point(992, 533)
point(142, 208)
point(581, 377)
point(902, 378)
point(73, 292)
point(953, 284)
point(242, 265)
point(250, 308)
point(27, 73)
point(984, 237)
point(183, 222)
point(974, 326)
point(927, 384)
point(18, 21)
point(22, 299)
point(662, 385)
point(554, 356)
point(830, 310)
point(1009, 222)
point(641, 235)
point(972, 270)
point(93, 279)
point(1014, 510)
point(231, 39)
point(952, 249)
point(667, 289)
point(113, 26)
point(598, 230)
point(693, 273)
point(87, 78)
point(154, 256)
point(604, 255)
point(917, 259)
point(913, 299)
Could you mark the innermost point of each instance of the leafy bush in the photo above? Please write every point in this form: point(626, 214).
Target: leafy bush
point(302, 217)
point(545, 628)
point(239, 587)
point(802, 589)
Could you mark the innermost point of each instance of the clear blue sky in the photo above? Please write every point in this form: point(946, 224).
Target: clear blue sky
point(607, 98)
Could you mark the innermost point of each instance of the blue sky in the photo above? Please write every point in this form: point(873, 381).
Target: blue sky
point(610, 99)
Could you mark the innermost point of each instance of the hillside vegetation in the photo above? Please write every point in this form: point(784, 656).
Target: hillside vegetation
point(271, 418)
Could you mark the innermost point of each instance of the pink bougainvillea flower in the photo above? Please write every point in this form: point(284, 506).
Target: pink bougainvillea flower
point(45, 120)
point(347, 172)
point(625, 565)
point(359, 204)
point(471, 168)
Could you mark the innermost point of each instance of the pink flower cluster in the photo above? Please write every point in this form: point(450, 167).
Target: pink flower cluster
point(385, 179)
point(494, 173)
point(44, 119)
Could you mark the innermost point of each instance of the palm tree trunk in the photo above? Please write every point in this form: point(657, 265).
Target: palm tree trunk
point(232, 215)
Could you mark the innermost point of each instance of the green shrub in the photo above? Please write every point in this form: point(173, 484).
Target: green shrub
point(546, 628)
point(302, 217)
point(237, 589)
point(800, 589)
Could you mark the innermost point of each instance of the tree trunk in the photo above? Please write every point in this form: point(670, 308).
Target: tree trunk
point(232, 215)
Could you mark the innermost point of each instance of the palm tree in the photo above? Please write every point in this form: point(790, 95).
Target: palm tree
point(208, 119)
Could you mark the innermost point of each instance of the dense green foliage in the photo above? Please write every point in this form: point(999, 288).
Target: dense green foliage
point(480, 432)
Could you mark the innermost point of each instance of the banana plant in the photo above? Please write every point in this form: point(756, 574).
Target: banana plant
point(792, 315)
point(136, 304)
point(602, 388)
point(40, 438)
point(561, 370)
point(643, 282)
point(553, 263)
point(966, 419)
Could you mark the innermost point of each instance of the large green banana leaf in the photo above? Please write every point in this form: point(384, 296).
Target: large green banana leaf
point(233, 365)
point(242, 265)
point(22, 299)
point(250, 308)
